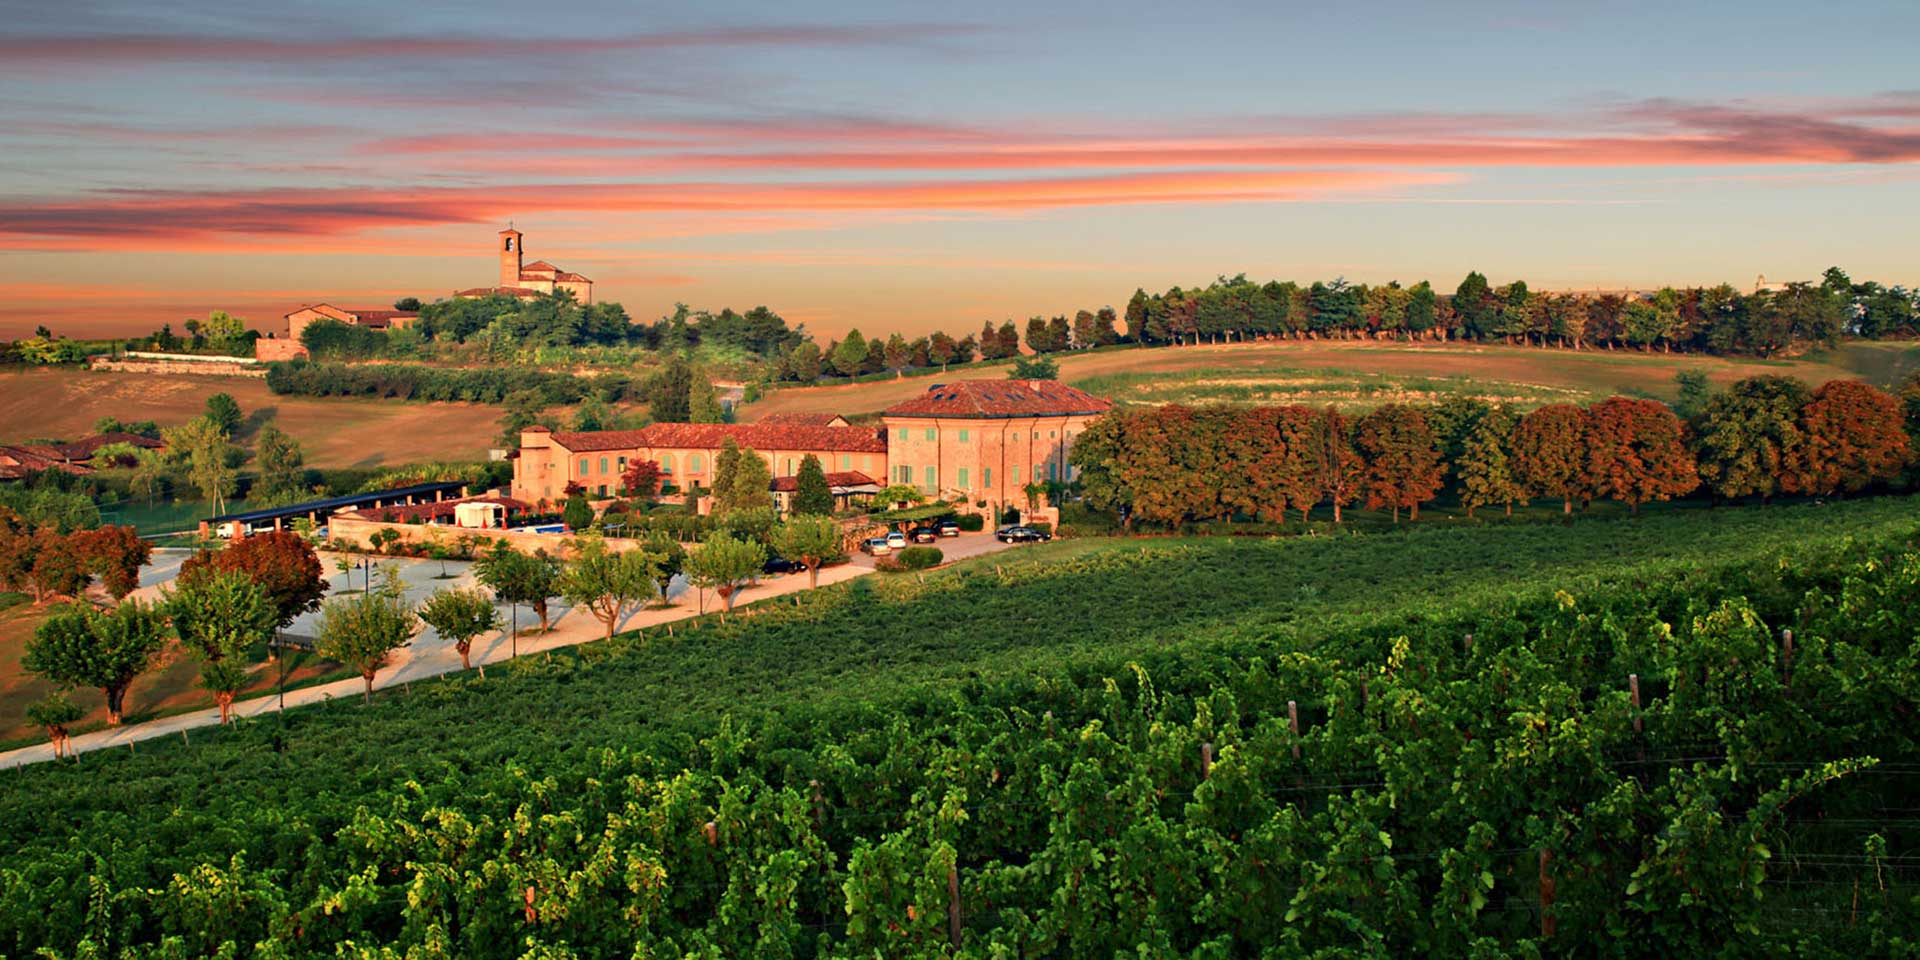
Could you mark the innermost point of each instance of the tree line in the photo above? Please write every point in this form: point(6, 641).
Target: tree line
point(1760, 437)
point(1718, 319)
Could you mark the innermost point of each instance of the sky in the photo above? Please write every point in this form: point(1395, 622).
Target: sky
point(921, 166)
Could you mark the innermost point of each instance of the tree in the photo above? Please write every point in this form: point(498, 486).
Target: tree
point(282, 562)
point(518, 578)
point(594, 413)
point(221, 614)
point(1034, 368)
point(607, 582)
point(78, 646)
point(1637, 451)
point(898, 352)
point(669, 392)
point(1748, 433)
point(54, 713)
point(1695, 393)
point(1851, 436)
point(809, 541)
point(670, 559)
point(1473, 306)
point(362, 631)
point(1402, 465)
point(57, 569)
point(1104, 332)
point(899, 494)
point(850, 355)
point(224, 413)
point(703, 404)
point(812, 495)
point(941, 348)
point(144, 479)
point(460, 616)
point(1336, 467)
point(1487, 472)
point(1006, 343)
point(523, 409)
point(1083, 329)
point(726, 466)
point(578, 513)
point(641, 479)
point(203, 446)
point(1549, 447)
point(723, 563)
point(114, 554)
point(282, 469)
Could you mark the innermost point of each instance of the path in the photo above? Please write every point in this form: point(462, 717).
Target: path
point(430, 656)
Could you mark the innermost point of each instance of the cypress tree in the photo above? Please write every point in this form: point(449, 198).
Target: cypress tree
point(813, 496)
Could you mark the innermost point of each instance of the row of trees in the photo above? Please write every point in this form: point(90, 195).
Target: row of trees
point(1762, 436)
point(1717, 319)
point(50, 563)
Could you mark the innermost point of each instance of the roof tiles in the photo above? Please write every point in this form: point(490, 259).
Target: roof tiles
point(989, 399)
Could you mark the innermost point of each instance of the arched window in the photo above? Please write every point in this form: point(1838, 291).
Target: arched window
point(694, 463)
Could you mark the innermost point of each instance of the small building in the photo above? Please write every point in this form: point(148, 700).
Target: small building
point(986, 440)
point(298, 320)
point(17, 463)
point(528, 280)
point(849, 487)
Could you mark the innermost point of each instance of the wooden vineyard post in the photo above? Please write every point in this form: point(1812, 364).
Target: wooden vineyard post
point(953, 905)
point(532, 914)
point(819, 808)
point(1786, 656)
point(1206, 759)
point(1293, 724)
point(1469, 646)
point(712, 832)
point(1633, 694)
point(1547, 921)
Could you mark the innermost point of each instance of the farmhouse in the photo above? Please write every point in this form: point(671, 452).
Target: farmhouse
point(298, 320)
point(529, 280)
point(976, 441)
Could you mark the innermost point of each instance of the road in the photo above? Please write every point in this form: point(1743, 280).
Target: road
point(430, 656)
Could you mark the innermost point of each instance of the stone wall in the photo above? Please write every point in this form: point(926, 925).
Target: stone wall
point(176, 367)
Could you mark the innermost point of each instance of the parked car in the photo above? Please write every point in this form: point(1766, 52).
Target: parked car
point(876, 546)
point(923, 534)
point(782, 565)
point(1019, 534)
point(896, 540)
point(948, 528)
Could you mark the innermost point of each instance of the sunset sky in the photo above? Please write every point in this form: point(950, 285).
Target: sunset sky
point(916, 166)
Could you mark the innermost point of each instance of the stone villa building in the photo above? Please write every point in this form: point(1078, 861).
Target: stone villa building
point(527, 280)
point(978, 441)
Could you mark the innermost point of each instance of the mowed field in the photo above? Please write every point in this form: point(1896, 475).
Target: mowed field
point(333, 432)
point(1364, 373)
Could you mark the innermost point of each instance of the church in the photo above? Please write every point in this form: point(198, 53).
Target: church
point(527, 280)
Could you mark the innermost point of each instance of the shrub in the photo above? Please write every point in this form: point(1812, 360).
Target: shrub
point(972, 522)
point(1042, 527)
point(920, 558)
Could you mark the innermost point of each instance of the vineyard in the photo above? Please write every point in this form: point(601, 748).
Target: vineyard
point(1687, 734)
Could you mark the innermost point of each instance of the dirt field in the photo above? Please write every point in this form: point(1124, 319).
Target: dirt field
point(1379, 370)
point(63, 404)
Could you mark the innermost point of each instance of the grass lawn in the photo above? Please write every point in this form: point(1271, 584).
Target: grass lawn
point(1363, 372)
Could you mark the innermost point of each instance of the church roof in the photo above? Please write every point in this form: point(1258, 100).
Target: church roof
point(985, 399)
point(521, 292)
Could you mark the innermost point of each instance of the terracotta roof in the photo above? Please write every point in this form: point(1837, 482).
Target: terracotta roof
point(327, 309)
point(85, 447)
point(17, 462)
point(802, 419)
point(383, 318)
point(839, 478)
point(985, 399)
point(712, 436)
point(565, 277)
point(538, 266)
point(500, 291)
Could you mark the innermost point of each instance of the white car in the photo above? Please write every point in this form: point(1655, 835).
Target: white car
point(876, 546)
point(896, 540)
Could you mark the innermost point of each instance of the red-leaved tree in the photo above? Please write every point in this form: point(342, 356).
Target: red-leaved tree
point(641, 479)
point(1335, 467)
point(1851, 435)
point(1637, 451)
point(1402, 465)
point(115, 555)
point(281, 562)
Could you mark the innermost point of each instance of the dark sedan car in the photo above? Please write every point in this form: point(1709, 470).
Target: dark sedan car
point(948, 528)
point(782, 565)
point(923, 534)
point(1021, 535)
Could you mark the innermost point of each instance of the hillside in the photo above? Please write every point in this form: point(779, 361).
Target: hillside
point(659, 791)
point(1359, 373)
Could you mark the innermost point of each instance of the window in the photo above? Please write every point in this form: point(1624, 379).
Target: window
point(846, 461)
point(986, 477)
point(603, 489)
point(933, 434)
point(583, 466)
point(1016, 438)
point(1053, 470)
point(666, 463)
point(903, 433)
point(933, 482)
point(1049, 434)
point(1016, 474)
point(866, 466)
point(603, 466)
point(903, 474)
point(789, 472)
point(694, 464)
point(966, 435)
point(963, 479)
point(623, 464)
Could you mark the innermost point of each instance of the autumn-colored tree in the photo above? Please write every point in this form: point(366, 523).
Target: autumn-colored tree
point(1259, 464)
point(1637, 451)
point(58, 568)
point(282, 562)
point(1852, 435)
point(1748, 433)
point(1549, 453)
point(641, 479)
point(1485, 465)
point(1296, 426)
point(1402, 466)
point(1336, 467)
point(115, 555)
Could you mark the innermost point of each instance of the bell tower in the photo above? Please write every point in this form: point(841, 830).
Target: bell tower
point(510, 257)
